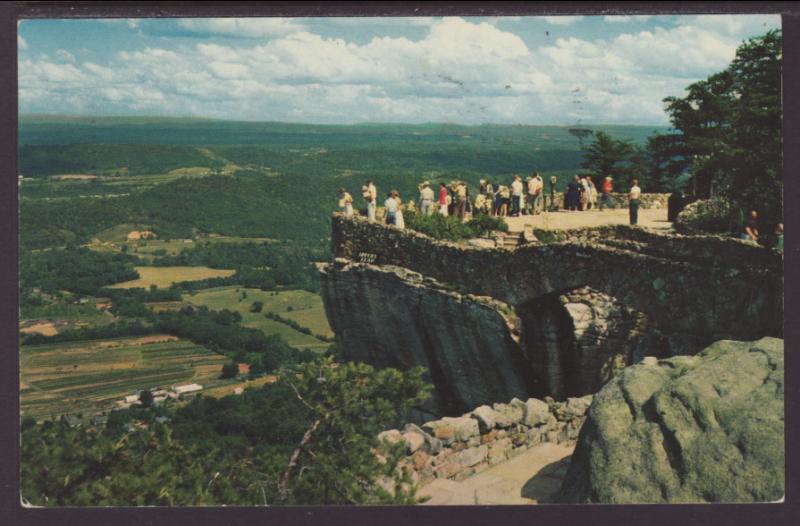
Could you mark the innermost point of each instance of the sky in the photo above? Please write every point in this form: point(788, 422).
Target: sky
point(562, 70)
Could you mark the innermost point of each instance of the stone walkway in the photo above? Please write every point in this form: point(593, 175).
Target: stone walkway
point(650, 218)
point(531, 477)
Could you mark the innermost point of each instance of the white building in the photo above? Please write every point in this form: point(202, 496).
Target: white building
point(188, 388)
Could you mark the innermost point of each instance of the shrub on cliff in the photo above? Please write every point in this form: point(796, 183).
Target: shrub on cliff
point(709, 215)
point(452, 228)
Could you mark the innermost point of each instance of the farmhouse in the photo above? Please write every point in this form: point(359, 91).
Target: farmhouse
point(187, 388)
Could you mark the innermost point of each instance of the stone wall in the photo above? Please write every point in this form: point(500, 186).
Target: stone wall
point(703, 285)
point(647, 200)
point(457, 447)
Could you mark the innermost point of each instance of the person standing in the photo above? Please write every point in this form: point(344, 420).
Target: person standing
point(372, 203)
point(535, 190)
point(750, 232)
point(605, 198)
point(443, 199)
point(573, 197)
point(345, 202)
point(392, 206)
point(779, 238)
point(426, 199)
point(369, 193)
point(399, 222)
point(461, 193)
point(516, 196)
point(633, 202)
point(584, 189)
point(592, 193)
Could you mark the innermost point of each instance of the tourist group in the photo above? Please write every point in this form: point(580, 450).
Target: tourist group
point(519, 198)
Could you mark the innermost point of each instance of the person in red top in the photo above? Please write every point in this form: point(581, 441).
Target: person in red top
point(605, 198)
point(443, 199)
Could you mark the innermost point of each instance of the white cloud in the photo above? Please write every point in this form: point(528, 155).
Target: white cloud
point(21, 44)
point(241, 27)
point(564, 20)
point(459, 70)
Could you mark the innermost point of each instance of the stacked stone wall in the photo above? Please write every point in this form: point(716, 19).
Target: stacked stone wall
point(458, 447)
point(710, 285)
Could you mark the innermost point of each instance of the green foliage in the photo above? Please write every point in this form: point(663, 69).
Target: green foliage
point(146, 398)
point(109, 159)
point(621, 160)
point(451, 228)
point(730, 129)
point(232, 450)
point(257, 306)
point(113, 330)
point(230, 370)
point(547, 236)
point(76, 269)
point(350, 405)
point(709, 215)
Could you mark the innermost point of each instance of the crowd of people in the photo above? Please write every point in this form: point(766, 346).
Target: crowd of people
point(518, 198)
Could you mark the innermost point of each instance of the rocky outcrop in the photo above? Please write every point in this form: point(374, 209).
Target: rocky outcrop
point(392, 317)
point(477, 350)
point(549, 319)
point(704, 428)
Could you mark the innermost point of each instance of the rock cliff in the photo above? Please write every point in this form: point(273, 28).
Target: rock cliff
point(704, 428)
point(549, 319)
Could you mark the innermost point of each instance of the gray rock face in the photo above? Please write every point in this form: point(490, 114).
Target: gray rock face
point(386, 317)
point(553, 319)
point(704, 428)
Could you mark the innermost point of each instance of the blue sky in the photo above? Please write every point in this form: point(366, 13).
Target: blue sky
point(470, 70)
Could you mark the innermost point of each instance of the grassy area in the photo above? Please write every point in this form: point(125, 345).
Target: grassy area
point(86, 376)
point(302, 303)
point(163, 277)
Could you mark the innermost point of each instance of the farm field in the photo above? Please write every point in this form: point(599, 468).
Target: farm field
point(228, 389)
point(163, 277)
point(299, 300)
point(86, 376)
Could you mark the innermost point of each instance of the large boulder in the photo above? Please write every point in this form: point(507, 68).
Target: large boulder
point(705, 428)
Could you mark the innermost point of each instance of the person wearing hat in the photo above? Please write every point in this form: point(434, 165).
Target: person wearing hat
point(426, 199)
point(345, 203)
point(605, 197)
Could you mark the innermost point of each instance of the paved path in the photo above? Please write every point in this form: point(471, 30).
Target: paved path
point(531, 477)
point(650, 218)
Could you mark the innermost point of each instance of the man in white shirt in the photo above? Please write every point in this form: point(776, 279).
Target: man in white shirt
point(516, 196)
point(535, 189)
point(633, 202)
point(426, 199)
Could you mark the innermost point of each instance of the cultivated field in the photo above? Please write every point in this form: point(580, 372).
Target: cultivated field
point(163, 277)
point(305, 306)
point(87, 376)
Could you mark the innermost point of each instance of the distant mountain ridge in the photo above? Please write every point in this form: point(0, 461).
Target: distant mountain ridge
point(63, 130)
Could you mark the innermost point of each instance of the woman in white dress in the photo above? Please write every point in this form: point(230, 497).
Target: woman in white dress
point(399, 222)
point(345, 202)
